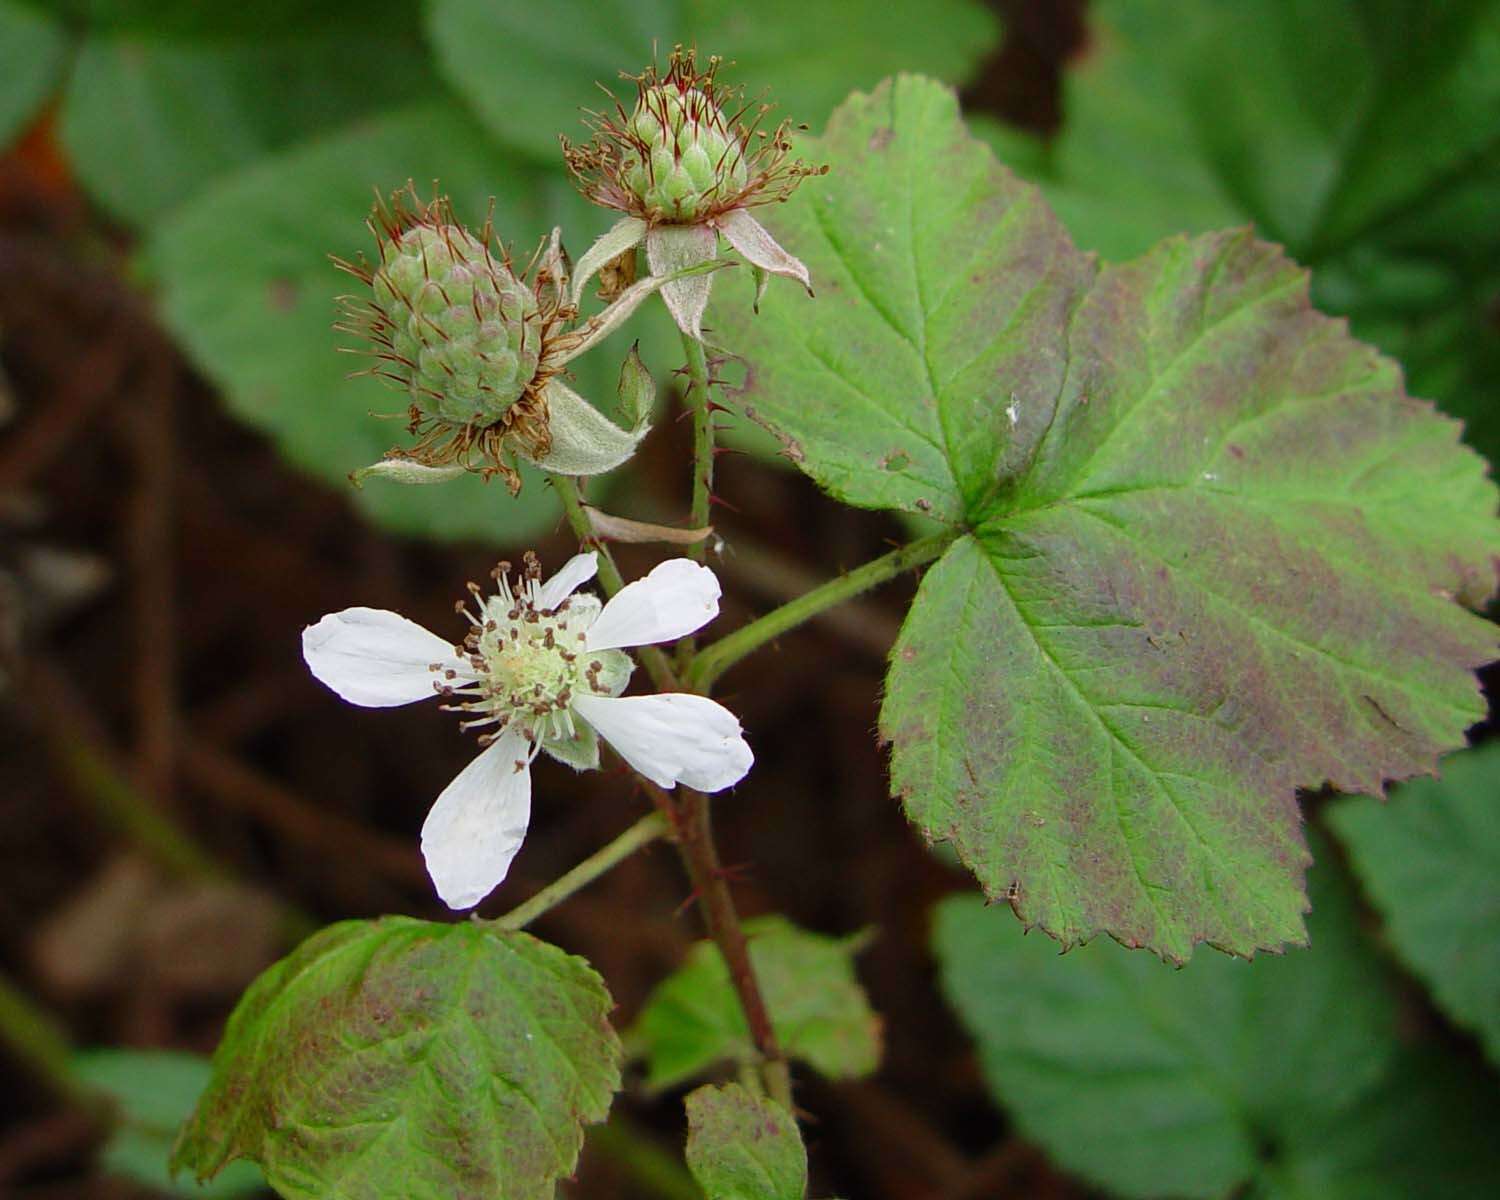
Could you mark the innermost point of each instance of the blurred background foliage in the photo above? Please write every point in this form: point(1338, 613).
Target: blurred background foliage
point(1360, 134)
point(224, 151)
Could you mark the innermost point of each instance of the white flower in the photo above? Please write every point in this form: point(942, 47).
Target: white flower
point(542, 668)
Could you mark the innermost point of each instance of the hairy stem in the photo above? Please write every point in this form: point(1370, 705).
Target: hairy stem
point(578, 520)
point(610, 579)
point(642, 833)
point(697, 400)
point(724, 653)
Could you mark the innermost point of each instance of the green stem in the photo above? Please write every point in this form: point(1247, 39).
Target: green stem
point(578, 520)
point(610, 578)
point(697, 400)
point(724, 653)
point(125, 809)
point(39, 1041)
point(642, 833)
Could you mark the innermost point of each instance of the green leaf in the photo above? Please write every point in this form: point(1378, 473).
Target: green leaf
point(154, 1092)
point(1277, 1077)
point(149, 120)
point(1428, 1130)
point(247, 286)
point(1429, 860)
point(410, 1060)
point(529, 69)
point(1359, 134)
point(1321, 121)
point(195, 19)
point(31, 53)
point(819, 1011)
point(744, 1147)
point(1208, 552)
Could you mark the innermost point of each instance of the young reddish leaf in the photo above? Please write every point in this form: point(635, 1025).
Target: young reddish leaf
point(693, 1019)
point(410, 1060)
point(744, 1147)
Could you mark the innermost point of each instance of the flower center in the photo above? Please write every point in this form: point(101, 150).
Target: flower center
point(529, 662)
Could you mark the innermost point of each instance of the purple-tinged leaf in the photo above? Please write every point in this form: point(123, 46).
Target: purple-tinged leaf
point(1210, 551)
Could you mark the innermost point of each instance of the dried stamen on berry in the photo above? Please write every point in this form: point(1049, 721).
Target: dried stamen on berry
point(689, 149)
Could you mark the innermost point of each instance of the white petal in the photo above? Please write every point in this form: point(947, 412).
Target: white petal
point(576, 572)
point(751, 239)
point(478, 823)
point(376, 658)
point(669, 249)
point(672, 738)
point(677, 597)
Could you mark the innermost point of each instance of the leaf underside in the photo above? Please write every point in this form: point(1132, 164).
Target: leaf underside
point(1206, 549)
point(1429, 861)
point(693, 1019)
point(1281, 1078)
point(153, 1092)
point(410, 1060)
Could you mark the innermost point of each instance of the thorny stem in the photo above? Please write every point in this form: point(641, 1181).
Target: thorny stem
point(642, 833)
point(688, 813)
point(695, 838)
point(695, 844)
point(707, 666)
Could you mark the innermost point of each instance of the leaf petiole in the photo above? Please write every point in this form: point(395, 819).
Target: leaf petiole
point(724, 653)
point(645, 831)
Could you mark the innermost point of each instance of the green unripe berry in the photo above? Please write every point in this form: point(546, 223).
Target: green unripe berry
point(688, 162)
point(466, 334)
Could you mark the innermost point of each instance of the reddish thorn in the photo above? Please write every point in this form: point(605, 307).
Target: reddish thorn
point(723, 503)
point(692, 899)
point(718, 450)
point(735, 872)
